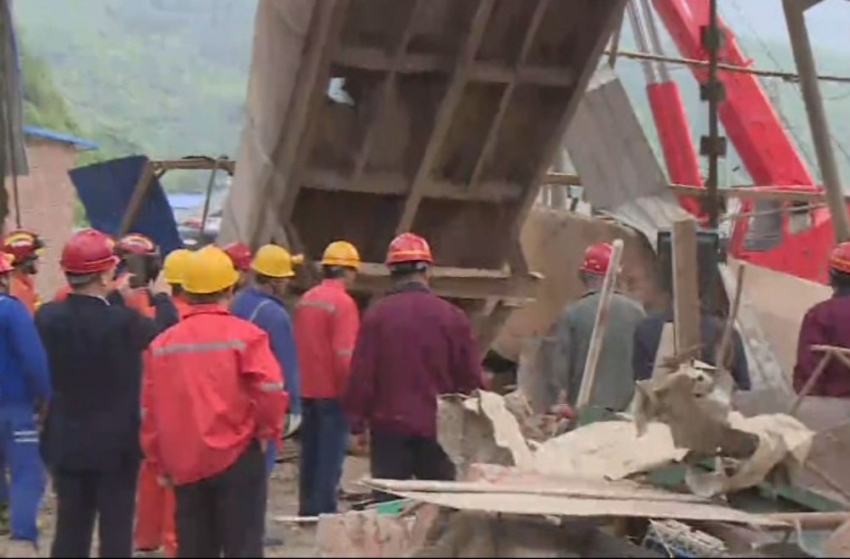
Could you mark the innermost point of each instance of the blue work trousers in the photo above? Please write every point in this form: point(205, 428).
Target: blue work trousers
point(324, 439)
point(27, 478)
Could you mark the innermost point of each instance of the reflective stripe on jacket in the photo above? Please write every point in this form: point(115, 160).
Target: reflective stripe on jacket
point(211, 386)
point(326, 325)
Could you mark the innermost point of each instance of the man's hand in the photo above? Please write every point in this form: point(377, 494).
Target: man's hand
point(122, 286)
point(165, 481)
point(159, 285)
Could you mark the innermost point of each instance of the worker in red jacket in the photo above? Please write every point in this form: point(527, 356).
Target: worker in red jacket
point(827, 323)
point(155, 504)
point(26, 248)
point(413, 347)
point(325, 327)
point(241, 256)
point(212, 400)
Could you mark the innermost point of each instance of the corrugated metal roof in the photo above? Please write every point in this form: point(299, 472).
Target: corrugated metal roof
point(46, 134)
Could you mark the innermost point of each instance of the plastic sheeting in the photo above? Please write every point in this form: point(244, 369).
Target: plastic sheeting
point(105, 190)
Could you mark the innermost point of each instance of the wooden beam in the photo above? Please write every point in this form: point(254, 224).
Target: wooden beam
point(686, 301)
point(395, 184)
point(507, 95)
point(275, 201)
point(445, 115)
point(195, 163)
point(459, 283)
point(387, 89)
point(143, 184)
point(376, 60)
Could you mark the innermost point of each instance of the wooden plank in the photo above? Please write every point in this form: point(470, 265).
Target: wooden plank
point(507, 95)
point(386, 91)
point(686, 301)
point(381, 183)
point(195, 163)
point(451, 100)
point(516, 258)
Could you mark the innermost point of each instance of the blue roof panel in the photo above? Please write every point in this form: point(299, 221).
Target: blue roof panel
point(46, 134)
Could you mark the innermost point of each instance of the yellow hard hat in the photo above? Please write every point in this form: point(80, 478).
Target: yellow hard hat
point(209, 270)
point(275, 262)
point(174, 266)
point(341, 253)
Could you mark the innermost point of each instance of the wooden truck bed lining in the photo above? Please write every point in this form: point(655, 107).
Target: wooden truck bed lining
point(458, 107)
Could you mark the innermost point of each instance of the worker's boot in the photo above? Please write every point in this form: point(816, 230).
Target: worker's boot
point(21, 548)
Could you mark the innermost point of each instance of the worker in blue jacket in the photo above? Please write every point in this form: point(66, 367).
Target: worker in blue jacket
point(262, 303)
point(24, 394)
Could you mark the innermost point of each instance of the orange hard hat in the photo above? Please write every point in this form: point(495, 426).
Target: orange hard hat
point(22, 245)
point(240, 254)
point(408, 247)
point(88, 252)
point(135, 243)
point(597, 257)
point(839, 258)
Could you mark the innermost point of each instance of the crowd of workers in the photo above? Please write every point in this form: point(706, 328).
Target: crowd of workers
point(157, 393)
point(157, 397)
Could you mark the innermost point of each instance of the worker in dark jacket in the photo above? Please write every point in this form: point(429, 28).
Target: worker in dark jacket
point(827, 323)
point(564, 351)
point(413, 347)
point(94, 343)
point(24, 391)
point(648, 339)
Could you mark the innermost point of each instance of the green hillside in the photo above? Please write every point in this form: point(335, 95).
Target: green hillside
point(168, 77)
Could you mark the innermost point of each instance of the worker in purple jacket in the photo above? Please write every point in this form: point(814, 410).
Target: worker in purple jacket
point(412, 347)
point(827, 323)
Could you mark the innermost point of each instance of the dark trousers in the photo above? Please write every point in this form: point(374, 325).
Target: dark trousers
point(224, 515)
point(324, 438)
point(398, 456)
point(82, 497)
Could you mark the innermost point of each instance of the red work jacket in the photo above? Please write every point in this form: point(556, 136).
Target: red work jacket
point(211, 385)
point(139, 300)
point(23, 288)
point(326, 323)
point(183, 307)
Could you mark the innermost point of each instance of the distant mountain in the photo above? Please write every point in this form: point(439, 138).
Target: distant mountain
point(169, 76)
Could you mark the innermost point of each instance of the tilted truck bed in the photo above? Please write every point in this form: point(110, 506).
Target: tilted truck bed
point(451, 113)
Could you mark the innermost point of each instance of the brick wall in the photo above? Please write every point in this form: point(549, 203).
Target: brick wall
point(47, 204)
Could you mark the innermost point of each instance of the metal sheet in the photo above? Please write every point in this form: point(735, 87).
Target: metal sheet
point(619, 171)
point(105, 190)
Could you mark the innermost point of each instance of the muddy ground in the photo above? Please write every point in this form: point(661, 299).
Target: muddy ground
point(283, 501)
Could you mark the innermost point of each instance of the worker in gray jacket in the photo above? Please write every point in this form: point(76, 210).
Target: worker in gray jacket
point(564, 351)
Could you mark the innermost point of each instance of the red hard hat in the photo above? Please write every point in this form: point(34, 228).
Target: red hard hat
point(839, 258)
point(408, 247)
point(88, 252)
point(6, 263)
point(135, 243)
point(240, 254)
point(22, 245)
point(597, 257)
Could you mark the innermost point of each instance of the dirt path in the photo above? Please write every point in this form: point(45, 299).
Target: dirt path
point(283, 500)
